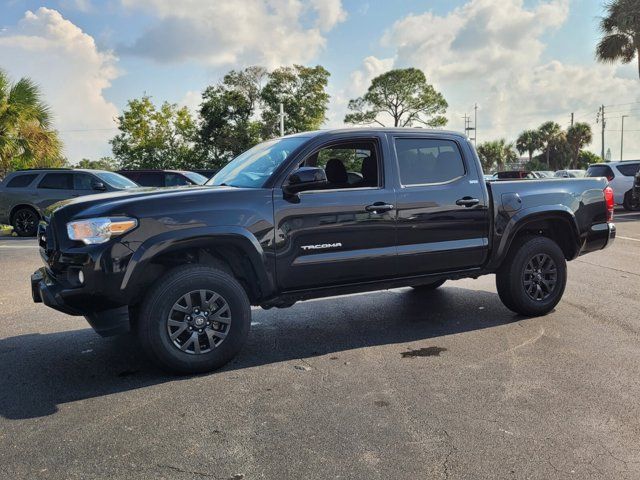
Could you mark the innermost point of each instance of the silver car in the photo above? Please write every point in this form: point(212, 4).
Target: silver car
point(25, 194)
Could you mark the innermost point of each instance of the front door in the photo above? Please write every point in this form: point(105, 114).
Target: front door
point(343, 233)
point(443, 217)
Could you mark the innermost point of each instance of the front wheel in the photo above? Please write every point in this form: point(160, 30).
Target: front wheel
point(533, 277)
point(195, 319)
point(25, 222)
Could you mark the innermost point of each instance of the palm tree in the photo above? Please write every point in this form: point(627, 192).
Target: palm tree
point(528, 141)
point(26, 137)
point(549, 134)
point(496, 152)
point(620, 32)
point(578, 136)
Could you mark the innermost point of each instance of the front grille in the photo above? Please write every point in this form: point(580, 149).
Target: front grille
point(46, 239)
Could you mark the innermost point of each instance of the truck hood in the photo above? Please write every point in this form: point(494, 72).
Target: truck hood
point(102, 203)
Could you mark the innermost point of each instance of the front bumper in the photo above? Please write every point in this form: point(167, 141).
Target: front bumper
point(73, 301)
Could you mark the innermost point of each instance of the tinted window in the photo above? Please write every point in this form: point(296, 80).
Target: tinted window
point(82, 181)
point(175, 179)
point(428, 161)
point(600, 171)
point(150, 179)
point(629, 170)
point(21, 181)
point(196, 178)
point(116, 180)
point(347, 165)
point(57, 181)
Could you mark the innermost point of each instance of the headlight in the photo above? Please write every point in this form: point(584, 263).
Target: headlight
point(99, 230)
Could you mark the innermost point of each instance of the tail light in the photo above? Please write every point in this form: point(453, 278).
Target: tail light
point(608, 198)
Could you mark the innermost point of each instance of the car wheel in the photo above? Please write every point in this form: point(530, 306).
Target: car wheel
point(628, 203)
point(195, 319)
point(25, 222)
point(532, 279)
point(426, 287)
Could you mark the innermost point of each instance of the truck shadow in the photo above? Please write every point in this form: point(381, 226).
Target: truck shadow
point(39, 372)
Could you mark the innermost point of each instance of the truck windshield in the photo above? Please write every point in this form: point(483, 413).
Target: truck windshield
point(252, 168)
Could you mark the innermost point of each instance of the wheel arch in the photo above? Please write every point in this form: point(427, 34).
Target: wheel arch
point(18, 206)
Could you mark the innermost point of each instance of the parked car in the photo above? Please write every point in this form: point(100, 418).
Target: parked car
point(206, 173)
point(514, 174)
point(281, 223)
point(620, 176)
point(544, 173)
point(570, 174)
point(636, 191)
point(24, 194)
point(164, 178)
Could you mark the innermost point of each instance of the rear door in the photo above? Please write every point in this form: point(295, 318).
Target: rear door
point(53, 187)
point(442, 206)
point(343, 233)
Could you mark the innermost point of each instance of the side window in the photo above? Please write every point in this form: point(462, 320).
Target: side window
point(57, 181)
point(83, 181)
point(153, 179)
point(425, 160)
point(629, 170)
point(348, 165)
point(21, 181)
point(175, 179)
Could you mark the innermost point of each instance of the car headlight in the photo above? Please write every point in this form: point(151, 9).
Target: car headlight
point(99, 230)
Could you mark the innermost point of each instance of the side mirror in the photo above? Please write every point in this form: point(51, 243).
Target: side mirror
point(306, 178)
point(99, 186)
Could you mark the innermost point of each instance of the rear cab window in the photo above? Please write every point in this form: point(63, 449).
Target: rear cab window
point(424, 161)
point(57, 181)
point(21, 180)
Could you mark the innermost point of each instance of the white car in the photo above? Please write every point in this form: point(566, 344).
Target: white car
point(620, 176)
point(570, 174)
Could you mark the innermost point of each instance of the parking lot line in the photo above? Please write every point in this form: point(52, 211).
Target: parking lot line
point(628, 238)
point(18, 246)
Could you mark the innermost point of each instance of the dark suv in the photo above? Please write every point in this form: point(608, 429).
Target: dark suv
point(164, 178)
point(24, 194)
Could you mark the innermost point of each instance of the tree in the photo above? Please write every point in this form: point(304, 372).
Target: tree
point(402, 94)
point(586, 158)
point(550, 135)
point(26, 136)
point(579, 136)
point(103, 163)
point(228, 126)
point(528, 141)
point(302, 91)
point(495, 154)
point(153, 137)
point(620, 32)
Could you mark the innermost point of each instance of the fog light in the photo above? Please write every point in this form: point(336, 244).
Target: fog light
point(80, 277)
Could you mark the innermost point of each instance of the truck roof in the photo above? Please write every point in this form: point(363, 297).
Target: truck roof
point(422, 131)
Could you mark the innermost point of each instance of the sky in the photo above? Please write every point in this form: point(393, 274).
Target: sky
point(522, 62)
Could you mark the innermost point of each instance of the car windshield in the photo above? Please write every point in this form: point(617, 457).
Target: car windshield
point(252, 168)
point(196, 177)
point(116, 180)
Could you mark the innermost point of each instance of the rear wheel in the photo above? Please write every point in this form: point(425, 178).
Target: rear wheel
point(195, 319)
point(426, 287)
point(533, 277)
point(628, 203)
point(25, 222)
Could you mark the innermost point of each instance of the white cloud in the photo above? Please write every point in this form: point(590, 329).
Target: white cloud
point(491, 52)
point(235, 32)
point(72, 74)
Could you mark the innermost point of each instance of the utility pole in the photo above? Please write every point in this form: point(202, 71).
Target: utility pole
point(601, 119)
point(572, 119)
point(281, 119)
point(468, 127)
point(622, 137)
point(475, 125)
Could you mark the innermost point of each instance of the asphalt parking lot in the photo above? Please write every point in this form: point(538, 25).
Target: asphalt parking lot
point(384, 385)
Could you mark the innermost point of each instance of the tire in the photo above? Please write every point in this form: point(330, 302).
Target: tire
point(427, 287)
point(177, 295)
point(532, 294)
point(25, 222)
point(628, 203)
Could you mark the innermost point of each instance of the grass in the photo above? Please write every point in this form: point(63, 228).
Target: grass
point(5, 230)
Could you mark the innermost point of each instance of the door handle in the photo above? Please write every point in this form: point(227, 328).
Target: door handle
point(467, 201)
point(379, 207)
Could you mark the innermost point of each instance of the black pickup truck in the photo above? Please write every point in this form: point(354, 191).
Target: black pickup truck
point(310, 215)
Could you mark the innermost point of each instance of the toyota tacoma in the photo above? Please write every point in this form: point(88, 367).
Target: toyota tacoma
point(310, 215)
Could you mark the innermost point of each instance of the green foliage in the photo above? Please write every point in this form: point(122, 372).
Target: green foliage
point(620, 29)
point(579, 136)
point(495, 154)
point(152, 137)
point(104, 163)
point(529, 142)
point(227, 127)
point(586, 158)
point(302, 91)
point(26, 137)
point(551, 138)
point(403, 95)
